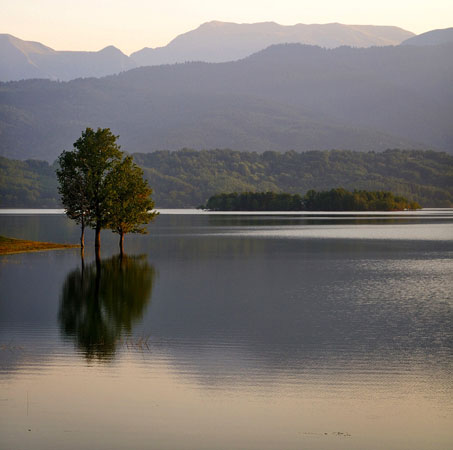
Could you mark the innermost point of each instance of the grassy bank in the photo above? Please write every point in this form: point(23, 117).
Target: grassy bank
point(10, 245)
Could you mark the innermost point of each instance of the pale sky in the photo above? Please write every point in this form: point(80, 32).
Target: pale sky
point(133, 24)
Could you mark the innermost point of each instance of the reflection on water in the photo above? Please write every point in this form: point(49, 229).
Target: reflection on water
point(265, 333)
point(100, 302)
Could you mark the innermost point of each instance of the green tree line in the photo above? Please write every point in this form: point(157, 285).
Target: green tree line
point(338, 199)
point(342, 200)
point(187, 178)
point(255, 201)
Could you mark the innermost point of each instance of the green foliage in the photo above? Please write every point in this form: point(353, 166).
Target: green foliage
point(255, 201)
point(73, 186)
point(334, 200)
point(27, 184)
point(84, 183)
point(102, 188)
point(342, 200)
point(96, 155)
point(129, 203)
point(187, 178)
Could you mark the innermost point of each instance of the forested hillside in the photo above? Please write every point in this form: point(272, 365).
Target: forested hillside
point(29, 184)
point(287, 97)
point(187, 178)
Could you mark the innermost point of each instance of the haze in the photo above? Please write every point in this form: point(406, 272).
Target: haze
point(132, 25)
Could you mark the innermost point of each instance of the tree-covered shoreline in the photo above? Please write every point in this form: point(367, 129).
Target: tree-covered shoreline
point(337, 199)
point(254, 201)
point(187, 178)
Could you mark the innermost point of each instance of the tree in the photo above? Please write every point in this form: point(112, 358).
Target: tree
point(85, 184)
point(102, 188)
point(97, 155)
point(129, 205)
point(73, 190)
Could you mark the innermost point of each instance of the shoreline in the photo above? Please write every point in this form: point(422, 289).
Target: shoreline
point(10, 246)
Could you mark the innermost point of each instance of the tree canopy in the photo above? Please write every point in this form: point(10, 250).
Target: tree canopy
point(97, 154)
point(255, 201)
point(101, 187)
point(129, 204)
point(338, 199)
point(73, 189)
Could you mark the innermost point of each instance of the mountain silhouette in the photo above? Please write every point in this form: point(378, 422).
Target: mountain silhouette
point(285, 97)
point(433, 37)
point(225, 41)
point(210, 42)
point(25, 59)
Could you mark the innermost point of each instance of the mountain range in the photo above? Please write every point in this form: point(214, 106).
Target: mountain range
point(224, 41)
point(211, 42)
point(26, 59)
point(288, 96)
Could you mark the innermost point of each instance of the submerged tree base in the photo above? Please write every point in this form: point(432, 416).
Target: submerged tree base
point(11, 245)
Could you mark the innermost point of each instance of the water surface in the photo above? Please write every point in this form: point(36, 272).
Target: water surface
point(231, 331)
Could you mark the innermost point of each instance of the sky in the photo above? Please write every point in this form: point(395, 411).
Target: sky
point(133, 24)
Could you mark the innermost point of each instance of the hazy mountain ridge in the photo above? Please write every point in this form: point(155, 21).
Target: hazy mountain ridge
point(285, 97)
point(224, 41)
point(210, 42)
point(26, 59)
point(433, 37)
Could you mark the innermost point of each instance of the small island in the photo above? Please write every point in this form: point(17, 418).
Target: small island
point(338, 199)
point(10, 245)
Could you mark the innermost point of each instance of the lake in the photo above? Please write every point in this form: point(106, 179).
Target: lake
point(230, 331)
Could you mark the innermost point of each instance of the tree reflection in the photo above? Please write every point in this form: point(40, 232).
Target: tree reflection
point(101, 302)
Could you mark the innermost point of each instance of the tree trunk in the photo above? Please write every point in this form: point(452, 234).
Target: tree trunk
point(97, 242)
point(98, 256)
point(121, 243)
point(82, 235)
point(82, 258)
point(97, 245)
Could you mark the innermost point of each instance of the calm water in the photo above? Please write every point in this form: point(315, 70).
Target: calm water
point(231, 331)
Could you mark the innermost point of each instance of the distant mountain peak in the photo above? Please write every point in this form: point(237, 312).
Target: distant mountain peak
point(214, 23)
point(433, 37)
point(218, 41)
point(24, 46)
point(214, 41)
point(21, 59)
point(112, 50)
